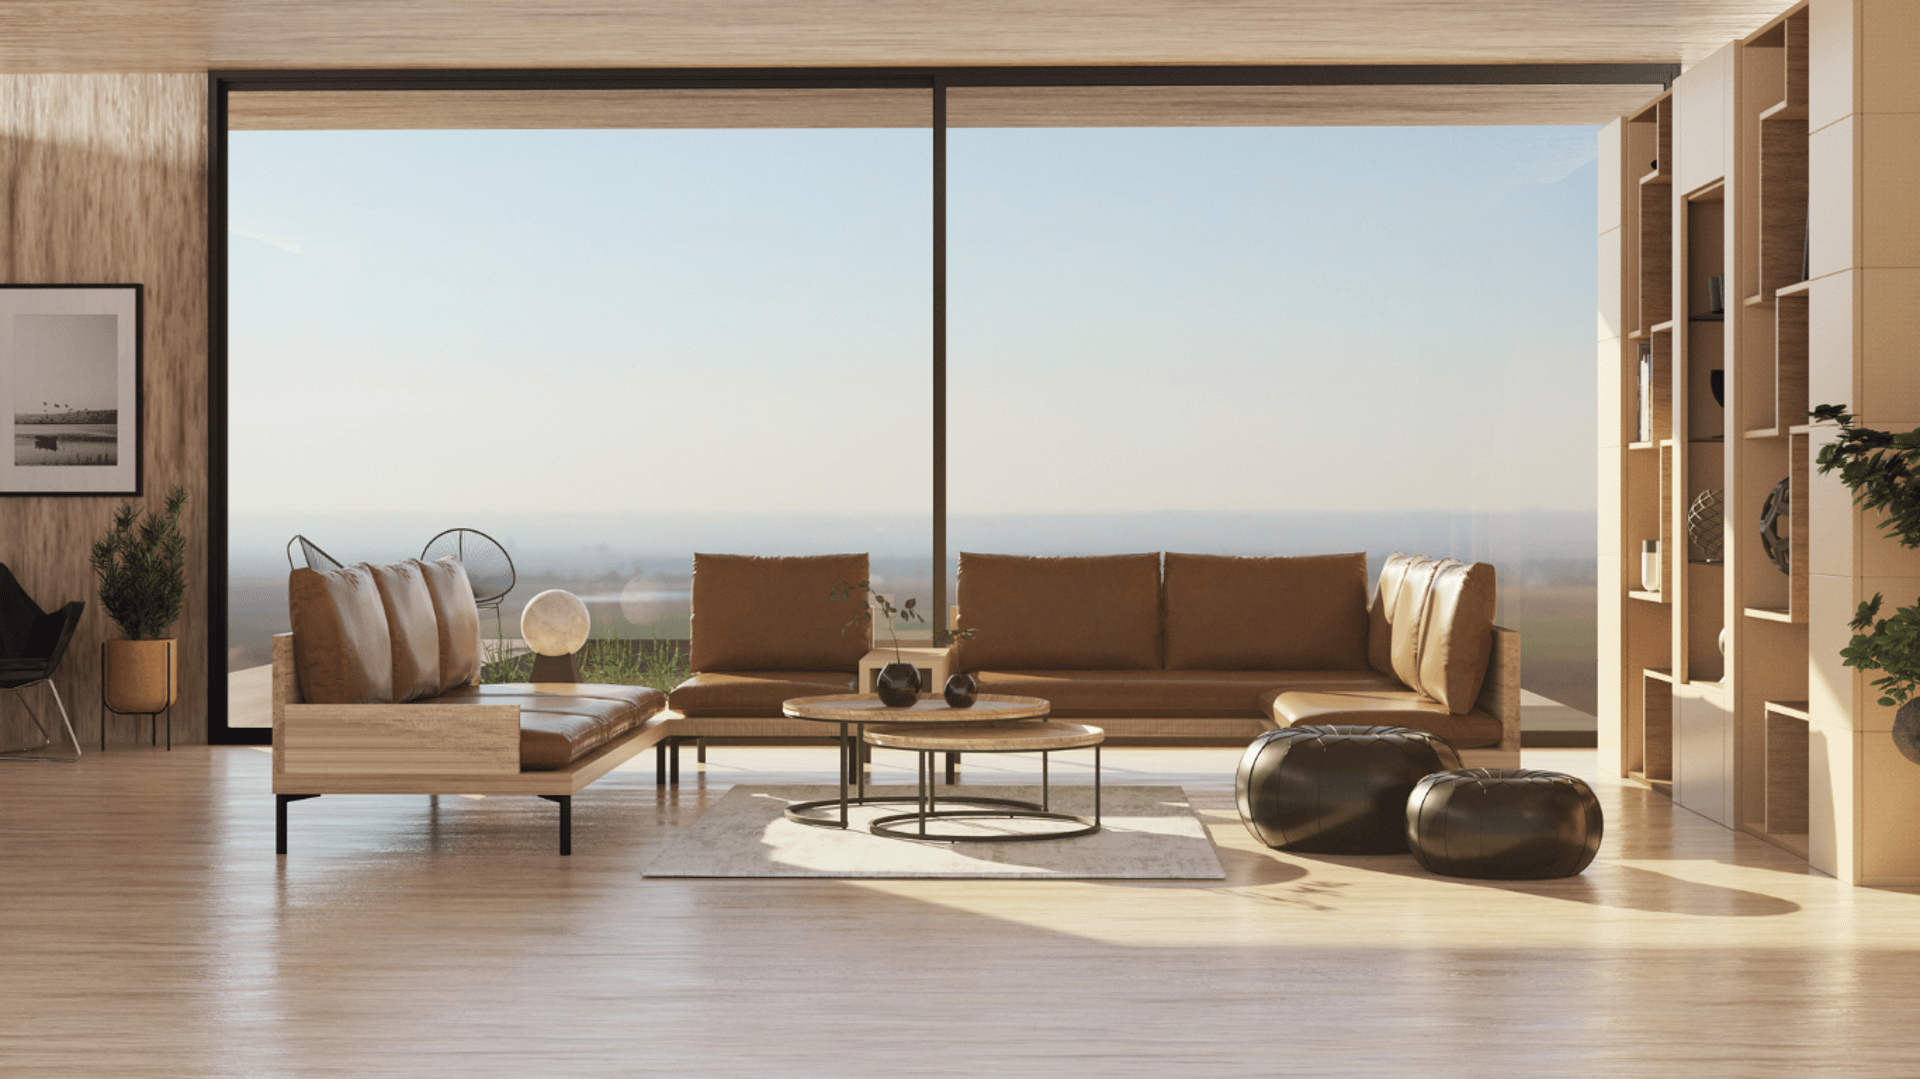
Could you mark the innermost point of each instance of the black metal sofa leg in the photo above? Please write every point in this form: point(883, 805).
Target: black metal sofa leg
point(565, 802)
point(280, 818)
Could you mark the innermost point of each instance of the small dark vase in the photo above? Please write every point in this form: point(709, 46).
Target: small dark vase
point(1906, 730)
point(898, 685)
point(960, 690)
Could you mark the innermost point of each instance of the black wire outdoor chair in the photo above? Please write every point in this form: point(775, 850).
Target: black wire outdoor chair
point(32, 641)
point(490, 570)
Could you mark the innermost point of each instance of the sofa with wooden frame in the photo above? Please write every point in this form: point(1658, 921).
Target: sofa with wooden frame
point(377, 691)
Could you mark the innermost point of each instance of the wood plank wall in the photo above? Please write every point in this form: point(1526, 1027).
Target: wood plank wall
point(103, 179)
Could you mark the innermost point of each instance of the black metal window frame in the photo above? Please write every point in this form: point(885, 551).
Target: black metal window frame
point(937, 81)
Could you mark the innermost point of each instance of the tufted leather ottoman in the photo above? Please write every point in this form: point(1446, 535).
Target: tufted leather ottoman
point(1503, 824)
point(1336, 789)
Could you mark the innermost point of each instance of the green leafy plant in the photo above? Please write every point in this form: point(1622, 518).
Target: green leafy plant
point(1888, 645)
point(1879, 468)
point(906, 612)
point(142, 566)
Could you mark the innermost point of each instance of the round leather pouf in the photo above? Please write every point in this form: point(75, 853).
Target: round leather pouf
point(1336, 790)
point(1503, 824)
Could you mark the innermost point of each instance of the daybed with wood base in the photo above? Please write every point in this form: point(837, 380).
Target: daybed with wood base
point(376, 691)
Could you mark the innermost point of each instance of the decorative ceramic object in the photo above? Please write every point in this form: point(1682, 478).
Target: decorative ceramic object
point(1776, 530)
point(1646, 394)
point(960, 691)
point(898, 685)
point(1906, 730)
point(1650, 565)
point(1706, 520)
point(1717, 385)
point(555, 623)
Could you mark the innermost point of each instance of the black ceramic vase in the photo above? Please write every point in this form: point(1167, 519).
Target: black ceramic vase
point(960, 690)
point(898, 685)
point(1906, 730)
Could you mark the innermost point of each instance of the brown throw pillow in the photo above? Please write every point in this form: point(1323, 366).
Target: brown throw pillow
point(1028, 613)
point(1459, 634)
point(1225, 613)
point(775, 614)
point(412, 629)
point(1409, 619)
point(341, 651)
point(456, 620)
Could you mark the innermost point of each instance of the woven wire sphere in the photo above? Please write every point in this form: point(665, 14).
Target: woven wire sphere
point(1706, 524)
point(1776, 530)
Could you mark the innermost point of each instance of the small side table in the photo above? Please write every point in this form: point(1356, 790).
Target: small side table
point(1041, 738)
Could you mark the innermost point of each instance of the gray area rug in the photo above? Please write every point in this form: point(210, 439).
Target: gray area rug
point(1147, 833)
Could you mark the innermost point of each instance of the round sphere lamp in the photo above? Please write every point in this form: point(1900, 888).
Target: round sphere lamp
point(555, 624)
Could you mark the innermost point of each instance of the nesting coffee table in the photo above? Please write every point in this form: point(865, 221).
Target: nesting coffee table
point(994, 724)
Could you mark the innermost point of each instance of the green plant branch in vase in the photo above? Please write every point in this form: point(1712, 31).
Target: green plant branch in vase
point(899, 682)
point(1879, 468)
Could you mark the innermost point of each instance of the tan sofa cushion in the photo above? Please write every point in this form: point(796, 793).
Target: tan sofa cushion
point(1458, 636)
point(1380, 613)
point(775, 614)
point(411, 628)
point(341, 651)
point(1166, 694)
point(1091, 613)
point(560, 723)
point(1409, 618)
point(1398, 707)
point(457, 621)
point(1226, 613)
point(753, 694)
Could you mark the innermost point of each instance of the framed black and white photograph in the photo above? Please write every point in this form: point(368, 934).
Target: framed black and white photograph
point(70, 389)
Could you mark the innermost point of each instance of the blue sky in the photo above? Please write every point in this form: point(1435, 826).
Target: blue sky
point(698, 322)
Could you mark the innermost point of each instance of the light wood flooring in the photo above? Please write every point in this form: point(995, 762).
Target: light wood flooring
point(147, 929)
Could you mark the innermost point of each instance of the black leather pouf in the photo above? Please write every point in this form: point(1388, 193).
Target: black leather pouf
point(1336, 790)
point(1503, 824)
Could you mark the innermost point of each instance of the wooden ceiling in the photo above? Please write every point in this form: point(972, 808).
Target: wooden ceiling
point(200, 35)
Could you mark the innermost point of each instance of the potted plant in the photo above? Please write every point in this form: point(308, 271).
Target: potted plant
point(142, 566)
point(1879, 467)
point(898, 683)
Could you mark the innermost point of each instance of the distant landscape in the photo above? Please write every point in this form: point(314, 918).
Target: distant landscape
point(637, 581)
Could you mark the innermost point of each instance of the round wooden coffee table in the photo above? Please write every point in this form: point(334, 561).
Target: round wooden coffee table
point(1041, 738)
point(854, 712)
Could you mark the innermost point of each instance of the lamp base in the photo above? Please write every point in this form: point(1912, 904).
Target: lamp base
point(555, 668)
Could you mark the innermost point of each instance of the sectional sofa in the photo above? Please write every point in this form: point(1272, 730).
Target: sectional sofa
point(1157, 649)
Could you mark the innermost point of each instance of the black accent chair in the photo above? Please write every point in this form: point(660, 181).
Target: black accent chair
point(32, 641)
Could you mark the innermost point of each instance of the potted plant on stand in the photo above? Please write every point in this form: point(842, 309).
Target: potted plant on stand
point(142, 566)
point(1879, 467)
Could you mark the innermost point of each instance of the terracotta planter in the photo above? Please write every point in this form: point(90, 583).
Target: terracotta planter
point(140, 676)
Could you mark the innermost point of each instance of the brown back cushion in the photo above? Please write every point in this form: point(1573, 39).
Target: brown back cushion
point(1409, 618)
point(1380, 615)
point(412, 629)
point(1266, 614)
point(341, 650)
point(456, 620)
point(776, 614)
point(1459, 634)
point(1094, 613)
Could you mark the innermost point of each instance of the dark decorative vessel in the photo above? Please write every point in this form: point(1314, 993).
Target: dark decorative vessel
point(960, 691)
point(898, 685)
point(1906, 730)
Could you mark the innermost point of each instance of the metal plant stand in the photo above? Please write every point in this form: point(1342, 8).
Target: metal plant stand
point(153, 718)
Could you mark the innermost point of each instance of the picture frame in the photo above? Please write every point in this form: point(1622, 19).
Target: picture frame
point(71, 392)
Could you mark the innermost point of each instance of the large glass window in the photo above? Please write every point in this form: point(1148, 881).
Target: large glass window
point(1284, 341)
point(605, 348)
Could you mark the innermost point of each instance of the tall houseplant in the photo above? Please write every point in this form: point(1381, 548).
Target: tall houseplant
point(142, 567)
point(1882, 469)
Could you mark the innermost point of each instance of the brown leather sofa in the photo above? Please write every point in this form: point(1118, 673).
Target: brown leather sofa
point(376, 691)
point(1197, 649)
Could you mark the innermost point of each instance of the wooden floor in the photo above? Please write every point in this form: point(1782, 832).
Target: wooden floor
point(147, 929)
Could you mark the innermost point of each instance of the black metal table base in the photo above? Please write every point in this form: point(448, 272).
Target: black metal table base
point(915, 825)
point(853, 788)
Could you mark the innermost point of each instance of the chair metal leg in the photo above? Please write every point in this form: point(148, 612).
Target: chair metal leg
point(46, 740)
